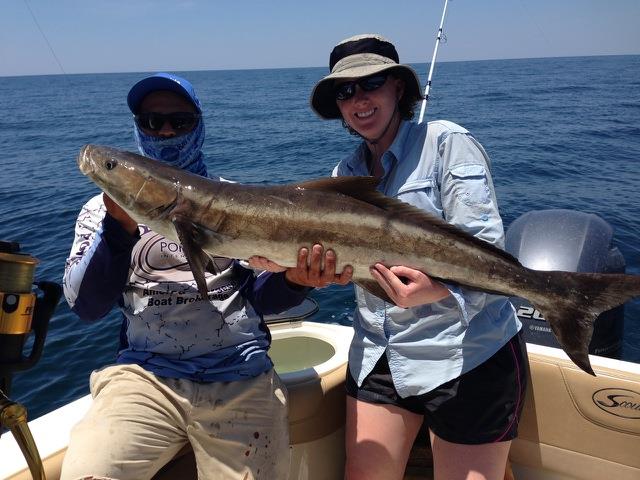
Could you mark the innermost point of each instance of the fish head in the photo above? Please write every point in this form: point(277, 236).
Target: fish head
point(143, 187)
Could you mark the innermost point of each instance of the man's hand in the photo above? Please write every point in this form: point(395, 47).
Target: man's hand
point(261, 263)
point(130, 225)
point(308, 271)
point(408, 287)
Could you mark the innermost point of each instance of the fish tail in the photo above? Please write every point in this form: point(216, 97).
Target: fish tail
point(578, 299)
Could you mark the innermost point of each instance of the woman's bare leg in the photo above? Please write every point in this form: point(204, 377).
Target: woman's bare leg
point(378, 440)
point(455, 461)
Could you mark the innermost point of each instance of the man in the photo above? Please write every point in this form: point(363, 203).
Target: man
point(188, 369)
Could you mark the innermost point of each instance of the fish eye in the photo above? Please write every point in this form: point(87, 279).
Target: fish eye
point(111, 164)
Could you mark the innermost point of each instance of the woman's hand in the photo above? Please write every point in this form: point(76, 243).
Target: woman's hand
point(129, 224)
point(308, 271)
point(408, 287)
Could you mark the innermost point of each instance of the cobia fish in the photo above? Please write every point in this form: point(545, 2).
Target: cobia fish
point(361, 225)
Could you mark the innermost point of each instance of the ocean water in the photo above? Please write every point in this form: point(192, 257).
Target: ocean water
point(561, 133)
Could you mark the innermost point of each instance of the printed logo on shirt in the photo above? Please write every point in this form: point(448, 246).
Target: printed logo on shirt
point(218, 294)
point(155, 252)
point(156, 258)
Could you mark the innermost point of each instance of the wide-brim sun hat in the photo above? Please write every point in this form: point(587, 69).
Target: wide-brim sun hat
point(161, 81)
point(356, 57)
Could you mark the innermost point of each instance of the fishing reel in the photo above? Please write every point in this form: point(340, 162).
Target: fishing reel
point(22, 312)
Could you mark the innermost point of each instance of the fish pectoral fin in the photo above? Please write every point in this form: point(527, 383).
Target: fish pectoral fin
point(374, 288)
point(191, 237)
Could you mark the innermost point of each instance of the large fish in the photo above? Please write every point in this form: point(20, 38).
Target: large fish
point(349, 216)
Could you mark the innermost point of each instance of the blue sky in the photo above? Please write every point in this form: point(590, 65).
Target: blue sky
point(88, 36)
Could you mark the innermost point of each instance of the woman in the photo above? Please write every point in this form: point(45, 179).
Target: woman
point(443, 354)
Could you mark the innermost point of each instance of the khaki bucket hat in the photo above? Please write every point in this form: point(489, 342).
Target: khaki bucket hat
point(356, 57)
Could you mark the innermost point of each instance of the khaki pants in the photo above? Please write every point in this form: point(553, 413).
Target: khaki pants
point(138, 422)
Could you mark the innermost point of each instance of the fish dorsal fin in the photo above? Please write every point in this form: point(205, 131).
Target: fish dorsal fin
point(360, 188)
point(364, 189)
point(345, 185)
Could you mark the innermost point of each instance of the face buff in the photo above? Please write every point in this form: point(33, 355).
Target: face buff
point(184, 151)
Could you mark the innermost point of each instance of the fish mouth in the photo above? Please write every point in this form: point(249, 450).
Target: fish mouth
point(85, 163)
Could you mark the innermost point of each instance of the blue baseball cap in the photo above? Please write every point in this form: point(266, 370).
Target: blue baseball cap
point(161, 81)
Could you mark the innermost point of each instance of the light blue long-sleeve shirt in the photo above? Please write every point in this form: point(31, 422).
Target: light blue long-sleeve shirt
point(440, 168)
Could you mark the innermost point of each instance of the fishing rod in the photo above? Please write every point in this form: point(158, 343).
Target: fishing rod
point(55, 57)
point(423, 108)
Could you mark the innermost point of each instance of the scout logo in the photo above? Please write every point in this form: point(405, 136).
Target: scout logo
point(618, 401)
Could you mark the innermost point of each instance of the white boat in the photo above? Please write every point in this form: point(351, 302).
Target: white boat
point(574, 426)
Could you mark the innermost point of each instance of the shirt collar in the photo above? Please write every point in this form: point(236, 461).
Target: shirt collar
point(397, 147)
point(357, 162)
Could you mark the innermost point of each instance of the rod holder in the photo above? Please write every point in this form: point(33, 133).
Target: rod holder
point(14, 417)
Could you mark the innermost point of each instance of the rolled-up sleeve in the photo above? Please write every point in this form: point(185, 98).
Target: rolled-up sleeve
point(467, 193)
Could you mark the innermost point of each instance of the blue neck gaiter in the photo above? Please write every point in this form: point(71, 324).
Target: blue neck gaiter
point(184, 151)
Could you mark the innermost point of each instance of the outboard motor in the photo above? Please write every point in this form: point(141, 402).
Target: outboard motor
point(570, 241)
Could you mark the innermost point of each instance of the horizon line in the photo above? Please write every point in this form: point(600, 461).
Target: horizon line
point(222, 69)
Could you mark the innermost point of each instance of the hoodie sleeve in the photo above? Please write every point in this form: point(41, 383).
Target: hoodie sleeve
point(97, 268)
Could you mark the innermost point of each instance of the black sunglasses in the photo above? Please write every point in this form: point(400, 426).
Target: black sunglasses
point(346, 90)
point(179, 121)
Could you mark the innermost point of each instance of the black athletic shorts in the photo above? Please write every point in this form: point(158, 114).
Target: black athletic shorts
point(481, 406)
